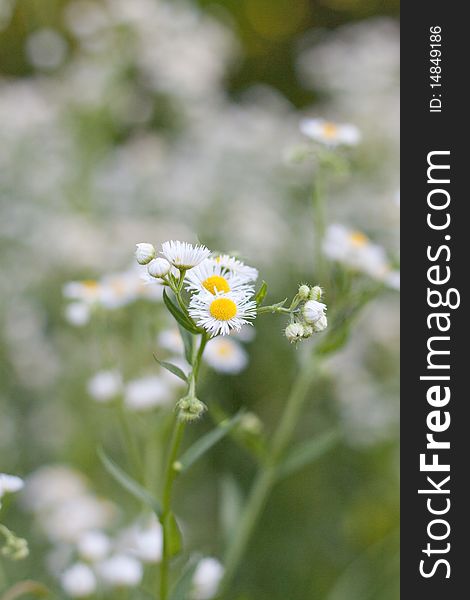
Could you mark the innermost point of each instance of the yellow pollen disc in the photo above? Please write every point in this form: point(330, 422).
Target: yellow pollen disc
point(224, 349)
point(223, 309)
point(330, 130)
point(216, 283)
point(90, 284)
point(358, 239)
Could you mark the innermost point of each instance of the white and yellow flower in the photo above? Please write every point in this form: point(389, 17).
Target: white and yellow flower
point(355, 250)
point(329, 133)
point(225, 355)
point(211, 276)
point(222, 313)
point(184, 256)
point(235, 267)
point(9, 484)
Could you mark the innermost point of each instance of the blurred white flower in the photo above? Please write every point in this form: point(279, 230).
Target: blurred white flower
point(356, 251)
point(85, 18)
point(144, 540)
point(49, 486)
point(206, 579)
point(78, 581)
point(183, 255)
point(9, 484)
point(170, 339)
point(222, 313)
point(330, 134)
point(46, 49)
point(93, 545)
point(105, 385)
point(77, 313)
point(121, 570)
point(146, 393)
point(225, 355)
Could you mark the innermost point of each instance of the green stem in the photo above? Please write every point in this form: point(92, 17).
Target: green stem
point(319, 224)
point(171, 472)
point(267, 474)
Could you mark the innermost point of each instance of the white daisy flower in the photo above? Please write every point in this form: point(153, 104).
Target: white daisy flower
point(211, 276)
point(88, 290)
point(221, 313)
point(206, 579)
point(77, 313)
point(356, 251)
point(144, 540)
point(330, 134)
point(236, 267)
point(78, 581)
point(93, 545)
point(225, 355)
point(170, 339)
point(183, 255)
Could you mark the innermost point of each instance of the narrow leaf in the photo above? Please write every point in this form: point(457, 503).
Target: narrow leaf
point(128, 483)
point(175, 539)
point(172, 368)
point(231, 503)
point(206, 442)
point(182, 588)
point(188, 344)
point(261, 294)
point(179, 316)
point(307, 452)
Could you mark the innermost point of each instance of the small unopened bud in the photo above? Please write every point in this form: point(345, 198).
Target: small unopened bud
point(320, 324)
point(144, 253)
point(313, 311)
point(294, 332)
point(304, 292)
point(251, 424)
point(190, 408)
point(15, 548)
point(316, 293)
point(159, 267)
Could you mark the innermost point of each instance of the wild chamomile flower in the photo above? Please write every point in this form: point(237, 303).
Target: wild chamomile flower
point(221, 313)
point(330, 134)
point(213, 277)
point(236, 267)
point(184, 256)
point(225, 355)
point(356, 251)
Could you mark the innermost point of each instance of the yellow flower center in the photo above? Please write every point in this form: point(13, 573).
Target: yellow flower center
point(216, 283)
point(358, 239)
point(330, 130)
point(90, 284)
point(224, 349)
point(223, 309)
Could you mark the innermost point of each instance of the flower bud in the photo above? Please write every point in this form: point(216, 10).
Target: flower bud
point(251, 424)
point(190, 408)
point(304, 292)
point(159, 267)
point(308, 331)
point(294, 332)
point(144, 253)
point(320, 324)
point(316, 293)
point(313, 311)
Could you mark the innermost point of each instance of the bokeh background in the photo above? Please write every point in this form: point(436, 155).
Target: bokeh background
point(140, 120)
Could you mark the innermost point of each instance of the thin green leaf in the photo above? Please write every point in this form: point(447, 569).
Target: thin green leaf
point(128, 483)
point(188, 344)
point(307, 452)
point(261, 294)
point(179, 316)
point(172, 368)
point(175, 539)
point(231, 503)
point(182, 587)
point(206, 442)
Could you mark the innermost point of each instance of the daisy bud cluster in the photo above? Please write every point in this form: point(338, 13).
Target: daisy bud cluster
point(307, 314)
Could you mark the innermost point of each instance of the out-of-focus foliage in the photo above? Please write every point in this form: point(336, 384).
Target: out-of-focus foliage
point(131, 120)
